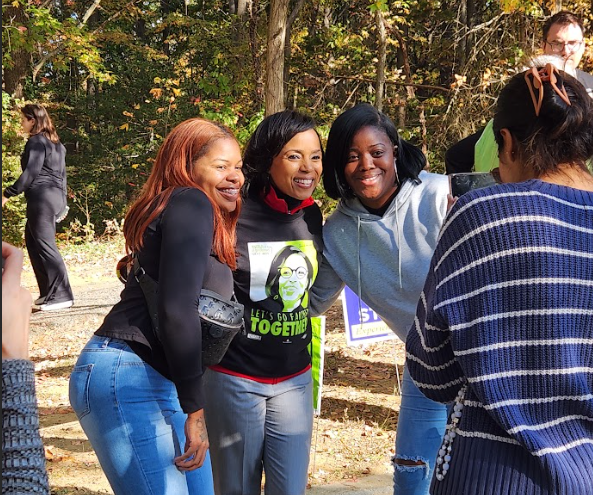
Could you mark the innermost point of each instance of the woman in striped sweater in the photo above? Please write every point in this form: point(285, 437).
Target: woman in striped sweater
point(504, 326)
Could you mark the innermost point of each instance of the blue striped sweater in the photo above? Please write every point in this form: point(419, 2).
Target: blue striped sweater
point(507, 309)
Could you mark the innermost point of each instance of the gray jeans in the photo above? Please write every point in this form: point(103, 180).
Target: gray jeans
point(254, 426)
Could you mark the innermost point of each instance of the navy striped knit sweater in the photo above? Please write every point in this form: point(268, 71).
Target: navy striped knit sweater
point(508, 310)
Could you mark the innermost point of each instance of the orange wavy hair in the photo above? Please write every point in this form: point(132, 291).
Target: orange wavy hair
point(173, 168)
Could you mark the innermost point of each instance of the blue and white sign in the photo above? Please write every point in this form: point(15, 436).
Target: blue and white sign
point(363, 325)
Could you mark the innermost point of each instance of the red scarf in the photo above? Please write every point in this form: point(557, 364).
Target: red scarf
point(278, 204)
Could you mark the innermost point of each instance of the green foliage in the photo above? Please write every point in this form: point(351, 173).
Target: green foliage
point(13, 212)
point(53, 31)
point(117, 83)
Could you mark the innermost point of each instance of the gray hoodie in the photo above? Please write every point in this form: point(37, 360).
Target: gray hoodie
point(385, 259)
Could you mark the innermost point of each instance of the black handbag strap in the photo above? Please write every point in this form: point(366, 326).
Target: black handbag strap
point(150, 288)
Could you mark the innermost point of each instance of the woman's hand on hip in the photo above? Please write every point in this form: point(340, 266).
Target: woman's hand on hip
point(196, 442)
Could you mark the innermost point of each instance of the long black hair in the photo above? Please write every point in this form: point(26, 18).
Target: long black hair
point(409, 159)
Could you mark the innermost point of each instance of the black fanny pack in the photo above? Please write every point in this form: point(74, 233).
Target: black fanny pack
point(220, 319)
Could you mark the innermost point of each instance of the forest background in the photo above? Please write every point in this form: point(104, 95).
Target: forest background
point(117, 75)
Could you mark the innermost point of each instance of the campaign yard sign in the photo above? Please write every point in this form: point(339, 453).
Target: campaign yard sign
point(317, 351)
point(362, 324)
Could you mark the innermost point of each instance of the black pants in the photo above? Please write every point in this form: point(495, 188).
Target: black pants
point(43, 206)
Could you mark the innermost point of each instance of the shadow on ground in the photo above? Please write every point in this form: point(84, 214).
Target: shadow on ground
point(347, 371)
point(343, 411)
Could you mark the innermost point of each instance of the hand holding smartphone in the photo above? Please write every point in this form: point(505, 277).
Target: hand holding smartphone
point(461, 183)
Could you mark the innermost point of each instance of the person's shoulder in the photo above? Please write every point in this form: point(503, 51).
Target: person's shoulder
point(433, 183)
point(433, 178)
point(337, 224)
point(188, 208)
point(38, 141)
point(313, 211)
point(586, 80)
point(190, 198)
point(460, 156)
point(487, 198)
point(336, 214)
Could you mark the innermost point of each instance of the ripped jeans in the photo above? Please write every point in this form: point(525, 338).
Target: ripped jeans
point(420, 429)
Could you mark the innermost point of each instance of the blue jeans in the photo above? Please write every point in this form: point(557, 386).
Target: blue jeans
point(420, 430)
point(132, 417)
point(255, 425)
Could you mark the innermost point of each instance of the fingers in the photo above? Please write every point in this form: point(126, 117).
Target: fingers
point(192, 458)
point(13, 265)
point(450, 201)
point(196, 443)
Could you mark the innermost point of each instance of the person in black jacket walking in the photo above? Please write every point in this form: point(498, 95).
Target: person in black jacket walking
point(44, 183)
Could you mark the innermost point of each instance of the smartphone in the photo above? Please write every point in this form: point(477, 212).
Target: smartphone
point(464, 182)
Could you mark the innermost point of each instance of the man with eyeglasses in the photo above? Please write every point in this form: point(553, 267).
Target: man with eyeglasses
point(562, 37)
point(562, 34)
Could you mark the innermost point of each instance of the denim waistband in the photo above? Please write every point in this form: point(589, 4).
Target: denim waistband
point(102, 342)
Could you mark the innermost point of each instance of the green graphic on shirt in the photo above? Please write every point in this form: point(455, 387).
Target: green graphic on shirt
point(280, 326)
point(281, 275)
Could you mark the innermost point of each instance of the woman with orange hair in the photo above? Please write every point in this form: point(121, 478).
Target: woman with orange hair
point(139, 397)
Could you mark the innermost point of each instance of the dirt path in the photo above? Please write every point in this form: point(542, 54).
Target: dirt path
point(353, 437)
point(56, 339)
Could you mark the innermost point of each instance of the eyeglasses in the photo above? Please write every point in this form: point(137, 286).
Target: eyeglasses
point(558, 46)
point(286, 272)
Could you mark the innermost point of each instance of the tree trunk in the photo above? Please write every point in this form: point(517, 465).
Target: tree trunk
point(255, 52)
point(91, 82)
point(288, 47)
point(410, 92)
point(275, 57)
point(461, 38)
point(14, 76)
point(471, 22)
point(382, 56)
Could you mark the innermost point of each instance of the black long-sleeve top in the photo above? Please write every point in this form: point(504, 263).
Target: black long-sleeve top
point(177, 253)
point(43, 163)
point(275, 342)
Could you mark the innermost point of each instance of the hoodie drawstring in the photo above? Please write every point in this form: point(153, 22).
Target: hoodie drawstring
point(359, 284)
point(399, 247)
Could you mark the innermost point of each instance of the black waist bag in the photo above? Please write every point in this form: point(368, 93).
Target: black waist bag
point(220, 319)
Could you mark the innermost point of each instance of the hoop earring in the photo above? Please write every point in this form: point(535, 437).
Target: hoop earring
point(395, 170)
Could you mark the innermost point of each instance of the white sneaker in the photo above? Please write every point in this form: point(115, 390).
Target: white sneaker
point(55, 306)
point(39, 301)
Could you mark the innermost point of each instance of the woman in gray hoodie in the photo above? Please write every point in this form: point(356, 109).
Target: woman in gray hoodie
point(379, 241)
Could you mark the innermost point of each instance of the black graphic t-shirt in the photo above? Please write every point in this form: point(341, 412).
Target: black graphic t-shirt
point(278, 262)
